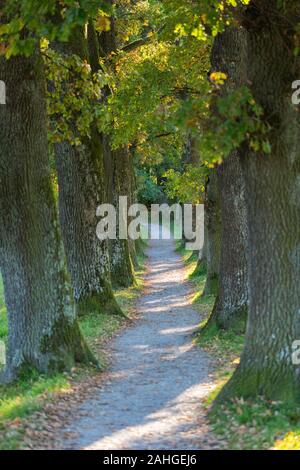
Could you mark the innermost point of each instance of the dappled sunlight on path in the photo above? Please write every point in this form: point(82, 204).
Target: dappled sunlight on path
point(152, 396)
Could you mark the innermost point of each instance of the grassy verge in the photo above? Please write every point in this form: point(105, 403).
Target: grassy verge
point(197, 275)
point(30, 394)
point(257, 424)
point(246, 424)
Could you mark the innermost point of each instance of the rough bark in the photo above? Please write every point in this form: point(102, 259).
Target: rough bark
point(231, 306)
point(119, 184)
point(119, 180)
point(273, 213)
point(43, 331)
point(213, 233)
point(82, 189)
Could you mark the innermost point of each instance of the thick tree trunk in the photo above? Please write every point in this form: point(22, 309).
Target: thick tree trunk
point(213, 233)
point(81, 185)
point(273, 211)
point(82, 189)
point(43, 331)
point(231, 306)
point(119, 184)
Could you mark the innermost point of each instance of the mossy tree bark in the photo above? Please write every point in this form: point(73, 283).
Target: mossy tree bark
point(231, 306)
point(273, 212)
point(43, 330)
point(82, 189)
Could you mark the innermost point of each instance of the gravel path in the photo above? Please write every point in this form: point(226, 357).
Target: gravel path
point(152, 397)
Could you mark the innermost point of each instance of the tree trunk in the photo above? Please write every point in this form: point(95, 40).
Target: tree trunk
point(119, 184)
point(273, 212)
point(119, 180)
point(135, 246)
point(213, 233)
point(202, 257)
point(231, 306)
point(81, 190)
point(43, 331)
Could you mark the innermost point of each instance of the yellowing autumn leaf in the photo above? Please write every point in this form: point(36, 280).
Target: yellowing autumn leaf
point(218, 77)
point(103, 23)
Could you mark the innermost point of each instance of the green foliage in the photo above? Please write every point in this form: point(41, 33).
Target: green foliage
point(161, 94)
point(159, 89)
point(187, 186)
point(136, 20)
point(148, 190)
point(73, 94)
point(24, 22)
point(150, 86)
point(203, 19)
point(239, 119)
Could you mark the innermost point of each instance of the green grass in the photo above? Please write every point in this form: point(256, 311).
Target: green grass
point(257, 424)
point(23, 397)
point(30, 393)
point(19, 400)
point(225, 344)
point(197, 275)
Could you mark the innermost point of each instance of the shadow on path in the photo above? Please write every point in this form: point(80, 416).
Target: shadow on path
point(152, 397)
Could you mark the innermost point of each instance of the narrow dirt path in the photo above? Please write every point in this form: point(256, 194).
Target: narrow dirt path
point(157, 378)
